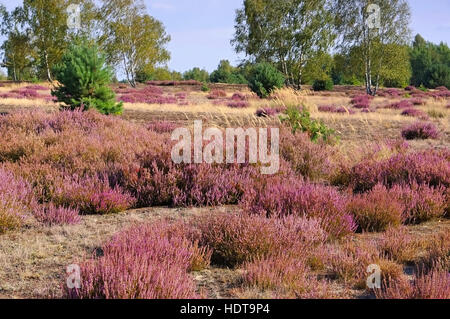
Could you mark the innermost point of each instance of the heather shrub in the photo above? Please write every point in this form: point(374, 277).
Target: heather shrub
point(376, 210)
point(432, 285)
point(264, 78)
point(217, 94)
point(403, 104)
point(279, 196)
point(92, 196)
point(16, 200)
point(349, 261)
point(162, 127)
point(422, 203)
point(236, 239)
point(429, 167)
point(51, 215)
point(313, 161)
point(151, 261)
point(437, 252)
point(238, 104)
point(361, 101)
point(285, 276)
point(414, 113)
point(399, 245)
point(420, 130)
point(83, 81)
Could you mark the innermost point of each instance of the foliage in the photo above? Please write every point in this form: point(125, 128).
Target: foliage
point(83, 81)
point(430, 64)
point(132, 38)
point(301, 120)
point(264, 78)
point(323, 85)
point(196, 74)
point(375, 49)
point(287, 33)
point(226, 73)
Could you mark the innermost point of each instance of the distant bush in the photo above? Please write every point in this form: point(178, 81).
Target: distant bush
point(264, 78)
point(205, 87)
point(217, 94)
point(83, 81)
point(420, 130)
point(323, 85)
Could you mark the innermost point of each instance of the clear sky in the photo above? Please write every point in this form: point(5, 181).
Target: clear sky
point(201, 30)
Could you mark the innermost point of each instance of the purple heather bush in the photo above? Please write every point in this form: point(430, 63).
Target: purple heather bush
point(422, 203)
point(238, 104)
point(217, 94)
point(361, 101)
point(420, 130)
point(238, 238)
point(376, 210)
point(327, 108)
point(430, 168)
point(399, 245)
point(285, 277)
point(414, 113)
point(150, 261)
point(239, 97)
point(417, 101)
point(403, 104)
point(52, 215)
point(278, 196)
point(432, 285)
point(162, 126)
point(16, 200)
point(313, 161)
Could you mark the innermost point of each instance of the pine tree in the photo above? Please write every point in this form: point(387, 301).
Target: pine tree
point(83, 81)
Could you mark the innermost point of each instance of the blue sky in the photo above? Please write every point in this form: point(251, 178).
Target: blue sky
point(201, 30)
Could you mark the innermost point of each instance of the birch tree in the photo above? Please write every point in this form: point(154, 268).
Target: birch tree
point(286, 33)
point(375, 28)
point(132, 39)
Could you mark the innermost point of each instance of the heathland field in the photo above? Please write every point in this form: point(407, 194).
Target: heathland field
point(101, 194)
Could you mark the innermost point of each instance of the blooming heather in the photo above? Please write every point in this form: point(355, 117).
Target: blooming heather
point(150, 261)
point(420, 130)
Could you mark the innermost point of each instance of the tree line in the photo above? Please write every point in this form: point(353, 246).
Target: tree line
point(355, 42)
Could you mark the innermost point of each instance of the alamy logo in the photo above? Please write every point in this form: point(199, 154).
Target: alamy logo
point(374, 18)
point(235, 146)
point(73, 16)
point(374, 279)
point(74, 276)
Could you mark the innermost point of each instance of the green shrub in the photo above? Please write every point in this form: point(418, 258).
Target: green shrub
point(264, 78)
point(323, 85)
point(205, 87)
point(301, 120)
point(83, 81)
